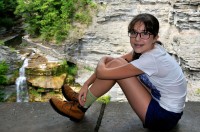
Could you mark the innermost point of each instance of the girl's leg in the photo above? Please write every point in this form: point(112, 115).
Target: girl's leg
point(100, 87)
point(137, 95)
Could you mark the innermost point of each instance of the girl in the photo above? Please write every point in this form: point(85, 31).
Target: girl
point(150, 78)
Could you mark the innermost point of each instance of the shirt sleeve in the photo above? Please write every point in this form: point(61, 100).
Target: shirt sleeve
point(147, 64)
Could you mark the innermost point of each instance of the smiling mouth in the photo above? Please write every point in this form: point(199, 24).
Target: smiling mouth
point(138, 45)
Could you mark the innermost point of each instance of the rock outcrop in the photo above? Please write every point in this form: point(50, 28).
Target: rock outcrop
point(44, 74)
point(12, 59)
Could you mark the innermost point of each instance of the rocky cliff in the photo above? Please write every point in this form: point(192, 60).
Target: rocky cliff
point(12, 59)
point(179, 32)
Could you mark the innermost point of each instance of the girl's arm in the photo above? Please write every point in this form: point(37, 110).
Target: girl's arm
point(125, 70)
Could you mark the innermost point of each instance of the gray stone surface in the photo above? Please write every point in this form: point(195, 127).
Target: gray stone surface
point(117, 117)
point(40, 117)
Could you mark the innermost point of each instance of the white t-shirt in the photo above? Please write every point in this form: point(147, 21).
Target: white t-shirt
point(168, 84)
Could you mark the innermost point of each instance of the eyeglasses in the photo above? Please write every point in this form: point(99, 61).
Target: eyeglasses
point(143, 35)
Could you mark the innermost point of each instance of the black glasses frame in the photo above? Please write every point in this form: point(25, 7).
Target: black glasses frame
point(129, 34)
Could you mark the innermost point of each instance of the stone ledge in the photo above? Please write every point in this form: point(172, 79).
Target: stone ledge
point(117, 117)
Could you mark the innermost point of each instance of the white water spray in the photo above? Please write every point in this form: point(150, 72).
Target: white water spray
point(21, 85)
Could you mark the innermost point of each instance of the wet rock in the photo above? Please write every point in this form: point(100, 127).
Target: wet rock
point(41, 73)
point(54, 82)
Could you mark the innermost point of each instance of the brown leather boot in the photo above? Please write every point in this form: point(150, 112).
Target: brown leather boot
point(69, 94)
point(72, 109)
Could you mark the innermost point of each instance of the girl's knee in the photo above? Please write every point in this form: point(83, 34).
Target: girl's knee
point(116, 62)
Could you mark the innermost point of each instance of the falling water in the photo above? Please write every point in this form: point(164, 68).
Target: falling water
point(21, 85)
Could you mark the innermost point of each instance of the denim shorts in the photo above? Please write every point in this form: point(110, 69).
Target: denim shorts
point(160, 119)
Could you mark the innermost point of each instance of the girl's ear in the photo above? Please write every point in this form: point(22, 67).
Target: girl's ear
point(156, 38)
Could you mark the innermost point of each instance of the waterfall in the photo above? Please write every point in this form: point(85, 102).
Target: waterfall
point(21, 85)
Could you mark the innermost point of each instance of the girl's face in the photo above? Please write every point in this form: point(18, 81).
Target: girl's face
point(142, 45)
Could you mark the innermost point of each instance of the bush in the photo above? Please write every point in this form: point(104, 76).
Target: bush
point(64, 65)
point(52, 20)
point(3, 68)
point(3, 79)
point(3, 71)
point(2, 42)
point(70, 79)
point(72, 70)
point(83, 17)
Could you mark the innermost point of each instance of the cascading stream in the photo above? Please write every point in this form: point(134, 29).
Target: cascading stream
point(21, 85)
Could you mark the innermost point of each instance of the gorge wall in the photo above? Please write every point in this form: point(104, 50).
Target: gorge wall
point(107, 35)
point(179, 32)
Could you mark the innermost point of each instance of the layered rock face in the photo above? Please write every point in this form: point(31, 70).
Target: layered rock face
point(41, 73)
point(179, 26)
point(11, 58)
point(179, 32)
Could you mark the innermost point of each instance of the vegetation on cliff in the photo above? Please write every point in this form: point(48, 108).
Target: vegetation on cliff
point(3, 71)
point(52, 20)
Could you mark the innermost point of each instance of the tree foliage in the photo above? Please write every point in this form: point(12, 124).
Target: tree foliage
point(7, 16)
point(52, 19)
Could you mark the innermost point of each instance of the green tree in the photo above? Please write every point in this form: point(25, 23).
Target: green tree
point(51, 19)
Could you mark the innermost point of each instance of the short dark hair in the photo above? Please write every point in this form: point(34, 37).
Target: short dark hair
point(151, 23)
